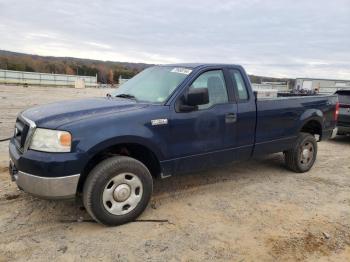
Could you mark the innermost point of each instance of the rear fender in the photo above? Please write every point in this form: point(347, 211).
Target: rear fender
point(311, 115)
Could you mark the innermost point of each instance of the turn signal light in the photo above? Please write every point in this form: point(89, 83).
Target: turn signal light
point(66, 139)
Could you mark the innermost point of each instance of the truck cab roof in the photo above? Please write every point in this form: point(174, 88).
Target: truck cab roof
point(199, 65)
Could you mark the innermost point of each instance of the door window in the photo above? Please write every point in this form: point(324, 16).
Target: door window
point(239, 84)
point(215, 82)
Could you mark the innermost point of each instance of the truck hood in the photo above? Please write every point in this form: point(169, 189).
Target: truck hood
point(60, 113)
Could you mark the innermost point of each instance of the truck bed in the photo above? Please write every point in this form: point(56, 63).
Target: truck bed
point(278, 119)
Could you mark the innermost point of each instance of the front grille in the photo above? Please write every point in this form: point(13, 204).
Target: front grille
point(23, 130)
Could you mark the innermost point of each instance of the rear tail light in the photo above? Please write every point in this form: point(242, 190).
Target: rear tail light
point(336, 112)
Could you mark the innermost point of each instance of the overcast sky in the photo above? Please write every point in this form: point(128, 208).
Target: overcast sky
point(279, 38)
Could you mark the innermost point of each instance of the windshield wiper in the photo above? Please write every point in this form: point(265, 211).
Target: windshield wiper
point(127, 96)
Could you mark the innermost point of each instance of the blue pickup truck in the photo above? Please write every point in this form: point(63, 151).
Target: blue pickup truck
point(167, 120)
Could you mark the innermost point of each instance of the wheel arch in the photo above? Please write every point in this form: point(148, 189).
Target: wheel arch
point(135, 148)
point(311, 122)
point(312, 126)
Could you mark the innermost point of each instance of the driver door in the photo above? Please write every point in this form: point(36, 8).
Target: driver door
point(206, 136)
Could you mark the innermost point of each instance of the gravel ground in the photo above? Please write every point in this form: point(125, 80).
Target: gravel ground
point(253, 211)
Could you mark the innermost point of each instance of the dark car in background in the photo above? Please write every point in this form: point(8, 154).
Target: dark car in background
point(344, 112)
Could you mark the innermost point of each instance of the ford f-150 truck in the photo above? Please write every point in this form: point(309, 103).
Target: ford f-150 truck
point(165, 121)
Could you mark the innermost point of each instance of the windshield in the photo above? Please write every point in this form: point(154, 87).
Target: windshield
point(154, 84)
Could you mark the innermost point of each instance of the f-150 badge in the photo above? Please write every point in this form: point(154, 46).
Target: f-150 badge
point(158, 122)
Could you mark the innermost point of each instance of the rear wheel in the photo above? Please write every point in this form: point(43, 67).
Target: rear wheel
point(117, 190)
point(302, 156)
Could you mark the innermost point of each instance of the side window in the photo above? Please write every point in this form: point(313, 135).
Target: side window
point(215, 82)
point(238, 83)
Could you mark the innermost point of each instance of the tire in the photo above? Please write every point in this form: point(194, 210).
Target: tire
point(302, 156)
point(106, 190)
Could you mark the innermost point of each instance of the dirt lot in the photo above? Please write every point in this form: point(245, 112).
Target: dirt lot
point(254, 211)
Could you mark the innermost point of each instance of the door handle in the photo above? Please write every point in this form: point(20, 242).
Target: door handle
point(230, 118)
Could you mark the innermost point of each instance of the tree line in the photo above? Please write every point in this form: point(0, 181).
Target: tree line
point(107, 72)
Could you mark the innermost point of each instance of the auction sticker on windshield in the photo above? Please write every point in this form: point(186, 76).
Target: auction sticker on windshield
point(181, 70)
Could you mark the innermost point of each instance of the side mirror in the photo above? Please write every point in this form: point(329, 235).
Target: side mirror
point(193, 98)
point(197, 96)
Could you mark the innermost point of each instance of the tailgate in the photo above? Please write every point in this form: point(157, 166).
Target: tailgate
point(344, 115)
point(344, 107)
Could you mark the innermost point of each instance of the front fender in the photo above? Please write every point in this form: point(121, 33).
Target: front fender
point(126, 140)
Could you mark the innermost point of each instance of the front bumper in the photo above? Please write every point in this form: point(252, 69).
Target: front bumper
point(45, 187)
point(45, 175)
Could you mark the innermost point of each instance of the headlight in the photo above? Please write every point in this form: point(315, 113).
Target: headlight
point(48, 140)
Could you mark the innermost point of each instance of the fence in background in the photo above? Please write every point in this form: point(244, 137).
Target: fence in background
point(33, 78)
point(278, 87)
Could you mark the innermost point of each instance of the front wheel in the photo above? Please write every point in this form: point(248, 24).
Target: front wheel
point(117, 190)
point(302, 156)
